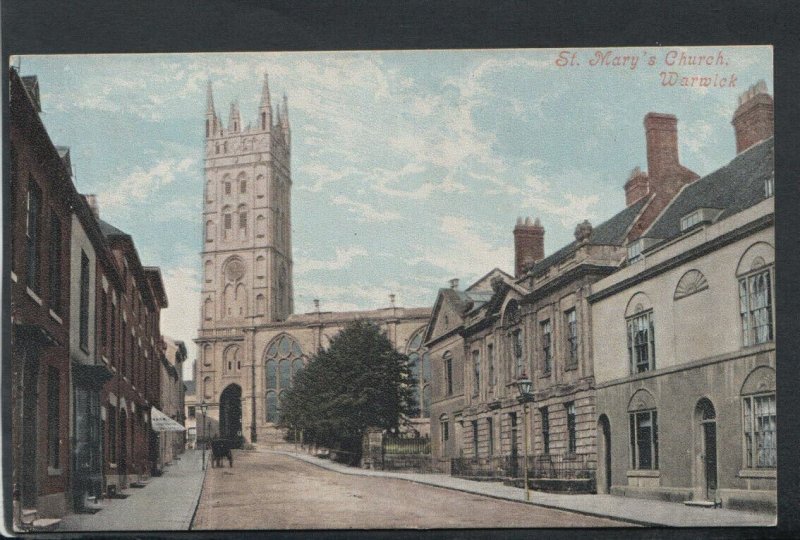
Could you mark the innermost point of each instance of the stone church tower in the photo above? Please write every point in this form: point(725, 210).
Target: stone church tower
point(247, 255)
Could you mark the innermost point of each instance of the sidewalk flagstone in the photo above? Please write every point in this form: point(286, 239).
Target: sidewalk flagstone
point(165, 503)
point(638, 511)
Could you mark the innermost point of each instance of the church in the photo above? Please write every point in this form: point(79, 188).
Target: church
point(250, 342)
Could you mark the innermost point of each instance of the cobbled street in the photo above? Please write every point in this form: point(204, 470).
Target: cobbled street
point(271, 491)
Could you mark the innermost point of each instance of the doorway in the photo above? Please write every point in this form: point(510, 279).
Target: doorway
point(706, 440)
point(603, 455)
point(230, 412)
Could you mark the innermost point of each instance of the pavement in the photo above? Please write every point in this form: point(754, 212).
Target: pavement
point(166, 503)
point(627, 509)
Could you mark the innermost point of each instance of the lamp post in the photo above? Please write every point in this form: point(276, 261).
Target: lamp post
point(524, 385)
point(204, 410)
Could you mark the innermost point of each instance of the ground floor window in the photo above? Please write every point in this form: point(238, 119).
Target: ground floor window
point(545, 422)
point(445, 429)
point(490, 428)
point(644, 440)
point(572, 440)
point(759, 431)
point(475, 436)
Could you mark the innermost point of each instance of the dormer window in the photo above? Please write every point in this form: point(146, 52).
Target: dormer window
point(769, 186)
point(690, 220)
point(635, 251)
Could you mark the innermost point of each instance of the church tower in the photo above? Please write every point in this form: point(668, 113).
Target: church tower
point(247, 250)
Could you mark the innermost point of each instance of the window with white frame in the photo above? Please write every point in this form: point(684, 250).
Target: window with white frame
point(641, 342)
point(516, 344)
point(769, 186)
point(547, 346)
point(644, 440)
point(755, 307)
point(690, 220)
point(448, 373)
point(759, 431)
point(572, 437)
point(634, 251)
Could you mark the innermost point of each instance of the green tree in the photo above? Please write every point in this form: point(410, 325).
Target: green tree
point(358, 382)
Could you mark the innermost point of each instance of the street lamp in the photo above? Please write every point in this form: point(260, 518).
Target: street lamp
point(204, 410)
point(524, 385)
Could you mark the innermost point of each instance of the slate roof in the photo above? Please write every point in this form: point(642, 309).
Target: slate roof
point(109, 230)
point(732, 188)
point(610, 232)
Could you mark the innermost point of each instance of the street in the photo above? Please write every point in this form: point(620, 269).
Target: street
point(272, 491)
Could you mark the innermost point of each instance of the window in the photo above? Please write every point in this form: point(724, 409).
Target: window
point(243, 186)
point(475, 436)
point(644, 440)
point(769, 186)
point(641, 344)
point(444, 429)
point(227, 182)
point(53, 417)
point(490, 429)
point(490, 360)
point(84, 303)
point(547, 346)
point(420, 363)
point(54, 272)
point(242, 219)
point(755, 302)
point(572, 338)
point(227, 220)
point(448, 373)
point(690, 220)
point(476, 372)
point(516, 346)
point(759, 431)
point(263, 120)
point(572, 443)
point(284, 359)
point(32, 235)
point(545, 414)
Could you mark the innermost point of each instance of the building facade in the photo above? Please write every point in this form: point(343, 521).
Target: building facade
point(172, 401)
point(250, 343)
point(685, 365)
point(39, 232)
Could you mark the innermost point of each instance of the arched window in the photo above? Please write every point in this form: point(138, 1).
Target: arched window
point(643, 420)
point(243, 185)
point(759, 418)
point(209, 231)
point(242, 212)
point(208, 388)
point(232, 362)
point(755, 275)
point(693, 281)
point(227, 221)
point(283, 359)
point(641, 334)
point(420, 363)
point(208, 309)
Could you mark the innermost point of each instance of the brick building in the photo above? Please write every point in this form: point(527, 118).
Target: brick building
point(38, 225)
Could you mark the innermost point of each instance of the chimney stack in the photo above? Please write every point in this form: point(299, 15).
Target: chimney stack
point(454, 283)
point(91, 200)
point(661, 131)
point(637, 186)
point(754, 119)
point(528, 244)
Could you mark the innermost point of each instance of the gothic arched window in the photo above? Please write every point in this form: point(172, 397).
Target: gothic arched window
point(232, 362)
point(284, 358)
point(419, 361)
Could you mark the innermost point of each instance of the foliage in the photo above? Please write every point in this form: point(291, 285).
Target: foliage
point(359, 382)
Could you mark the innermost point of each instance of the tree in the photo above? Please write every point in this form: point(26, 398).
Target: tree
point(359, 382)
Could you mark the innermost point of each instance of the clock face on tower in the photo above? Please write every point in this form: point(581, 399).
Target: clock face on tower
point(235, 270)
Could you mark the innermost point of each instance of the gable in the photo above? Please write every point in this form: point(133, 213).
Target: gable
point(446, 314)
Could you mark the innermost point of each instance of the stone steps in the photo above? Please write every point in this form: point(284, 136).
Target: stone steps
point(704, 504)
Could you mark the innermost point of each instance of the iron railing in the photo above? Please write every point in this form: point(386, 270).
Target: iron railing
point(406, 445)
point(570, 466)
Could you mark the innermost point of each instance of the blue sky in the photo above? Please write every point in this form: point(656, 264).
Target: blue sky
point(409, 168)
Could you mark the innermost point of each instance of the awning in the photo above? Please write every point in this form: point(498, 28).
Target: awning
point(162, 422)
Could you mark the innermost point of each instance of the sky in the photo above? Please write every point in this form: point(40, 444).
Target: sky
point(409, 168)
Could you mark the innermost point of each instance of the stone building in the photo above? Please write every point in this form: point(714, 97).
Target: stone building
point(250, 344)
point(685, 364)
point(172, 399)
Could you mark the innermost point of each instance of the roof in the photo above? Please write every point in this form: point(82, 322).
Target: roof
point(732, 188)
point(110, 230)
point(610, 232)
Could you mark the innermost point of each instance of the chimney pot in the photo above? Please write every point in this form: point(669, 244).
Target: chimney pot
point(454, 283)
point(754, 119)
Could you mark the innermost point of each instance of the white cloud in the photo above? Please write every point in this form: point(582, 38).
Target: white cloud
point(465, 252)
point(318, 175)
point(344, 258)
point(141, 184)
point(365, 212)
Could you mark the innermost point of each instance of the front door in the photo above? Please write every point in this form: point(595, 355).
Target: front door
point(710, 458)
